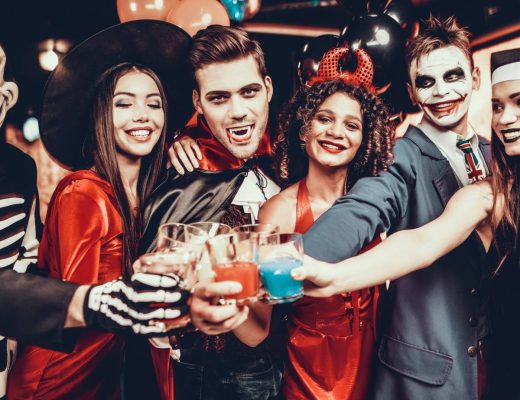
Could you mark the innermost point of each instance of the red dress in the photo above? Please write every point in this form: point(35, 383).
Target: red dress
point(331, 340)
point(81, 243)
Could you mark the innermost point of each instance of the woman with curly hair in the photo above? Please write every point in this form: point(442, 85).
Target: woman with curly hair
point(330, 135)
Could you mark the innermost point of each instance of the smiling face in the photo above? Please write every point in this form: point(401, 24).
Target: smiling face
point(336, 131)
point(234, 100)
point(506, 115)
point(441, 83)
point(138, 115)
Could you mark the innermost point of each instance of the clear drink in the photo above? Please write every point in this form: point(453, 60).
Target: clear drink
point(180, 262)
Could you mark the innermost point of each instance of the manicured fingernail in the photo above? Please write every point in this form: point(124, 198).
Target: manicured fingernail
point(297, 274)
point(235, 287)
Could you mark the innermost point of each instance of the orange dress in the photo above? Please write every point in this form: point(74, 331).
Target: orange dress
point(330, 340)
point(81, 243)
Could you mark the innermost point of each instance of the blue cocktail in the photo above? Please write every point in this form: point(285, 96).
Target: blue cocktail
point(277, 280)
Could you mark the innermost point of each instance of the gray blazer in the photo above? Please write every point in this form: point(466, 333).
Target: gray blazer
point(430, 318)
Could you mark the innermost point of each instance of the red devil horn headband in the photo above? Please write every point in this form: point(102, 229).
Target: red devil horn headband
point(329, 68)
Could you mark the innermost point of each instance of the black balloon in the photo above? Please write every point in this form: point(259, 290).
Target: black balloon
point(397, 98)
point(354, 7)
point(311, 55)
point(402, 11)
point(383, 39)
point(377, 6)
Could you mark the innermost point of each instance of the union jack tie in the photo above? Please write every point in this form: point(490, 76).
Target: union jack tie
point(473, 168)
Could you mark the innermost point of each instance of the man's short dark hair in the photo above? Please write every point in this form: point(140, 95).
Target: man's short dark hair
point(219, 43)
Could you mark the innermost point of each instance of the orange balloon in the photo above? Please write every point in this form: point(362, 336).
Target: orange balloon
point(129, 10)
point(252, 8)
point(194, 15)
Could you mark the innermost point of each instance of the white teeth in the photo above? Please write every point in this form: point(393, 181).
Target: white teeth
point(140, 133)
point(444, 106)
point(240, 131)
point(332, 146)
point(511, 136)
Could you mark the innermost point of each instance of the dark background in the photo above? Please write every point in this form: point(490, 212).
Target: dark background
point(24, 23)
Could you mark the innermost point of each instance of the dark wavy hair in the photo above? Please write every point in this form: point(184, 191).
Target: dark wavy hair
point(505, 181)
point(374, 154)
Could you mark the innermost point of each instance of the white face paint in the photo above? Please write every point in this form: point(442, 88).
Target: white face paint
point(441, 84)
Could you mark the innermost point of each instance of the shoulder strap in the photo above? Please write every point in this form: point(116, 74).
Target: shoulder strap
point(304, 217)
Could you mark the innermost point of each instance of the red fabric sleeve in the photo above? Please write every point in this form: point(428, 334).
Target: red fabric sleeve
point(81, 225)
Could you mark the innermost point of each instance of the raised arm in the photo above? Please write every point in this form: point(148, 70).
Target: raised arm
point(371, 207)
point(405, 251)
point(184, 154)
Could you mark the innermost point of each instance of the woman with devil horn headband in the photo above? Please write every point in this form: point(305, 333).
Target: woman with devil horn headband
point(330, 135)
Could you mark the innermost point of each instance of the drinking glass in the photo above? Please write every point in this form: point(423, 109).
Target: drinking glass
point(212, 228)
point(234, 257)
point(204, 271)
point(177, 260)
point(258, 228)
point(177, 254)
point(279, 254)
point(173, 234)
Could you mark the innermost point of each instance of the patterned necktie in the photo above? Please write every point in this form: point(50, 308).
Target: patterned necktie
point(473, 168)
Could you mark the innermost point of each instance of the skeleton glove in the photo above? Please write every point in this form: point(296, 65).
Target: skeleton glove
point(137, 306)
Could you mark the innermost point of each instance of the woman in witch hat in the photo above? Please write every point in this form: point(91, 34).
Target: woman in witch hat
point(104, 116)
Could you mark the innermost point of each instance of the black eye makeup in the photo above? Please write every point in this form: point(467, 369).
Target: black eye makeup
point(424, 81)
point(454, 75)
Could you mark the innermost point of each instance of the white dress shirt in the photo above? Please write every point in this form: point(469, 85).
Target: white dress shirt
point(255, 190)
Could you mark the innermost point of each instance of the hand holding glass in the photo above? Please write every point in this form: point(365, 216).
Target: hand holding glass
point(180, 262)
point(175, 256)
point(234, 257)
point(279, 254)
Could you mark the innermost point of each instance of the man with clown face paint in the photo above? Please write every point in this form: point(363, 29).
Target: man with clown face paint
point(434, 322)
point(441, 83)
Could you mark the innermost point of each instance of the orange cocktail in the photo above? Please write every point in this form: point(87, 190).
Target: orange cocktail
point(244, 272)
point(234, 257)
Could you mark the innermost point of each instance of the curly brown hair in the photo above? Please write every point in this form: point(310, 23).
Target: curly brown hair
point(374, 154)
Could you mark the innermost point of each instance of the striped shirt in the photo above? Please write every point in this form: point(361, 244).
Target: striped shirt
point(19, 229)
